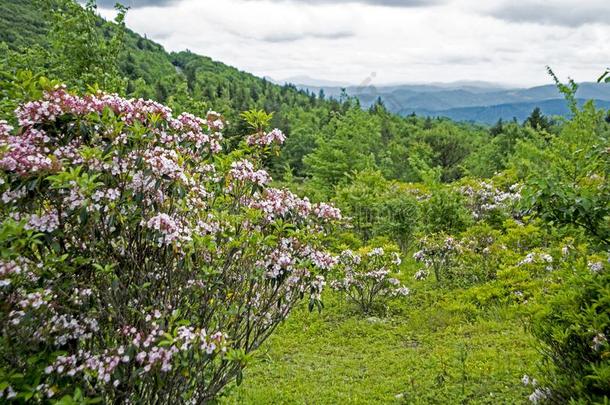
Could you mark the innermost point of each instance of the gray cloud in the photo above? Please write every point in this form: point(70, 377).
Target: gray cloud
point(293, 36)
point(345, 40)
point(137, 3)
point(383, 3)
point(553, 13)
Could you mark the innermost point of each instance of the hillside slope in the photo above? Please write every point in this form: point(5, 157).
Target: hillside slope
point(155, 73)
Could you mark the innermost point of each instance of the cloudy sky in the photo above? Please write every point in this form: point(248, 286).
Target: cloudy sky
point(386, 41)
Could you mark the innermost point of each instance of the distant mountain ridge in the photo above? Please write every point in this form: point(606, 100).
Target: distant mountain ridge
point(471, 101)
point(507, 112)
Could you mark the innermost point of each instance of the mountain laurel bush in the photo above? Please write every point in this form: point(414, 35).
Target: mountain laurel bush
point(139, 261)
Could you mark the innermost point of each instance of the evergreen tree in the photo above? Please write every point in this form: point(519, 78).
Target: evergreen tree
point(537, 120)
point(497, 128)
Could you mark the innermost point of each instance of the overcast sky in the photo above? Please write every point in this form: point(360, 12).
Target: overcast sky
point(388, 41)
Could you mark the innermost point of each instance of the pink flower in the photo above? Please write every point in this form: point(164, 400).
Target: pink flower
point(243, 170)
point(327, 212)
point(266, 138)
point(47, 222)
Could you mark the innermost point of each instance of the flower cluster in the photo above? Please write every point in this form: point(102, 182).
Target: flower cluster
point(59, 101)
point(284, 204)
point(10, 196)
point(171, 230)
point(483, 198)
point(599, 341)
point(25, 153)
point(538, 258)
point(266, 138)
point(14, 269)
point(540, 395)
point(9, 392)
point(149, 351)
point(595, 267)
point(328, 212)
point(420, 274)
point(290, 256)
point(277, 203)
point(33, 150)
point(47, 222)
point(366, 278)
point(244, 171)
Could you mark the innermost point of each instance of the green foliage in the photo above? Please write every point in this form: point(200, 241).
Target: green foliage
point(573, 332)
point(537, 121)
point(21, 25)
point(257, 120)
point(348, 144)
point(17, 86)
point(567, 183)
point(450, 146)
point(378, 207)
point(494, 155)
point(445, 211)
point(83, 50)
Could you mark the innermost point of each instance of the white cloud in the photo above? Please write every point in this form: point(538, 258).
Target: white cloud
point(347, 40)
point(557, 12)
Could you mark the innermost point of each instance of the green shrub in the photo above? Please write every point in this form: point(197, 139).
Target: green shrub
point(445, 211)
point(573, 332)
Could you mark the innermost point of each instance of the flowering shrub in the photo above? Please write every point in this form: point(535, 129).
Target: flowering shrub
point(438, 253)
point(486, 202)
point(537, 262)
point(365, 278)
point(140, 263)
point(481, 255)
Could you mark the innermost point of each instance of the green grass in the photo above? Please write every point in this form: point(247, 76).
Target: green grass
point(426, 349)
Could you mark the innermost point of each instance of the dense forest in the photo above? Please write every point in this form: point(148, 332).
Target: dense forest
point(158, 229)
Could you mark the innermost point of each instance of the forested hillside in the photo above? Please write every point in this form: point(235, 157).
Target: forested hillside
point(150, 71)
point(174, 230)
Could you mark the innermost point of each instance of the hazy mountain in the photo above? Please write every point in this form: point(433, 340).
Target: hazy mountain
point(473, 101)
point(519, 111)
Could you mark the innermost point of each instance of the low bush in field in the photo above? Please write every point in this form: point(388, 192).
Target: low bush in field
point(365, 277)
point(482, 254)
point(439, 254)
point(138, 261)
point(380, 208)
